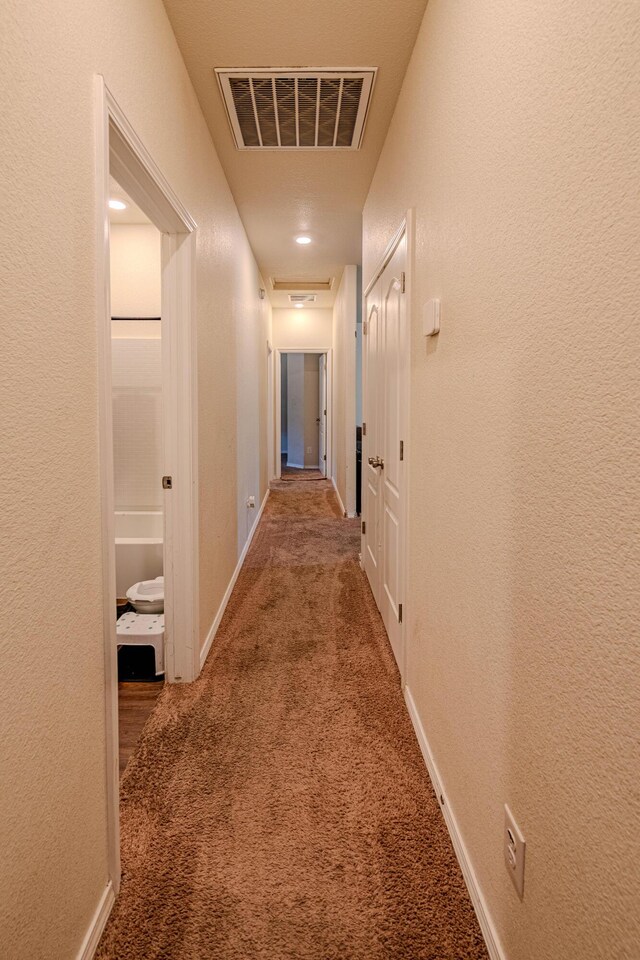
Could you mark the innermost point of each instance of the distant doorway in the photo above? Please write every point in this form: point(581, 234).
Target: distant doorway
point(302, 415)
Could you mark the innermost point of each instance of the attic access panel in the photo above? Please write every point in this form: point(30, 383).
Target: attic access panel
point(315, 109)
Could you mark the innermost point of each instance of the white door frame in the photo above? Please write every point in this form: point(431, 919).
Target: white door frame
point(278, 404)
point(120, 152)
point(271, 443)
point(323, 401)
point(406, 228)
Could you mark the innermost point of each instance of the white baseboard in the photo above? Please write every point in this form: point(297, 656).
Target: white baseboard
point(487, 925)
point(337, 492)
point(225, 600)
point(97, 925)
point(345, 512)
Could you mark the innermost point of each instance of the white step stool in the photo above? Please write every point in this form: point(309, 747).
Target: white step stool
point(144, 629)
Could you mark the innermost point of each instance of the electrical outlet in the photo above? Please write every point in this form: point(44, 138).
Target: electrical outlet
point(308, 449)
point(514, 850)
point(251, 502)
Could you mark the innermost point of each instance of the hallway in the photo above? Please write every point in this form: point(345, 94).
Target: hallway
point(414, 734)
point(279, 807)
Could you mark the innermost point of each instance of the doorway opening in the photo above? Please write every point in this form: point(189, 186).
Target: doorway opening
point(137, 387)
point(148, 429)
point(303, 416)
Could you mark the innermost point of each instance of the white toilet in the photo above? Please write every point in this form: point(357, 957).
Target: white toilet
point(147, 596)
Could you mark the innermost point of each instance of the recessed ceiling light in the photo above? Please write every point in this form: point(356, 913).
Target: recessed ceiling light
point(117, 205)
point(303, 240)
point(298, 306)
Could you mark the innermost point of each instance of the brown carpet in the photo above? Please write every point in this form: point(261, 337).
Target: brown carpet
point(279, 808)
point(300, 473)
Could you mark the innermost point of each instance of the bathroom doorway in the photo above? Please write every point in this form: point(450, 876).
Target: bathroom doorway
point(135, 269)
point(147, 418)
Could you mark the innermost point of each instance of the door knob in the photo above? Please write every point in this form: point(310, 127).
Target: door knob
point(376, 462)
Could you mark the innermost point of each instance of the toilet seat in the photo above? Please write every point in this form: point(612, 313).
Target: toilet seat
point(147, 596)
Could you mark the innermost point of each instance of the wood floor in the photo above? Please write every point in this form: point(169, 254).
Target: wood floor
point(135, 703)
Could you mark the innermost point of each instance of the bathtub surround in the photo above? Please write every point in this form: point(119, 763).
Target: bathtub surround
point(139, 547)
point(136, 379)
point(140, 329)
point(279, 806)
point(136, 371)
point(55, 871)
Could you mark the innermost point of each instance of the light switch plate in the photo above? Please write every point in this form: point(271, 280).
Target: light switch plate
point(431, 318)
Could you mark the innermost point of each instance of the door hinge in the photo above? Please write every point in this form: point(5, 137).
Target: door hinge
point(399, 613)
point(403, 282)
point(365, 327)
point(402, 449)
point(324, 456)
point(167, 483)
point(355, 333)
point(364, 429)
point(364, 527)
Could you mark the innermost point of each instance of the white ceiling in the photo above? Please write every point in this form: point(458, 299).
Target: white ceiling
point(132, 214)
point(282, 195)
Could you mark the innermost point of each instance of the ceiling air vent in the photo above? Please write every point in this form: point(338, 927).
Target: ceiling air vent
point(278, 283)
point(302, 298)
point(291, 109)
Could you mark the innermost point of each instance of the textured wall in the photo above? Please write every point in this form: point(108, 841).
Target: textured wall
point(252, 319)
point(52, 790)
point(516, 139)
point(305, 329)
point(135, 262)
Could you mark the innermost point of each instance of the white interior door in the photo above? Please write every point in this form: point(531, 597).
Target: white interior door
point(385, 365)
point(371, 539)
point(322, 414)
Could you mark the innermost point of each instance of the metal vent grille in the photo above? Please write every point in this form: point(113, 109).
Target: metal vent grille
point(282, 283)
point(302, 298)
point(297, 109)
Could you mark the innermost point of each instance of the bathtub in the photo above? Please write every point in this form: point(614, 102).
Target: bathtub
point(139, 547)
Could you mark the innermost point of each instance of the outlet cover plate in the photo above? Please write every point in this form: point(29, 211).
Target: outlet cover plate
point(514, 851)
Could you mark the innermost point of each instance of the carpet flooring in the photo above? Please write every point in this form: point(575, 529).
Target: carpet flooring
point(279, 808)
point(300, 473)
